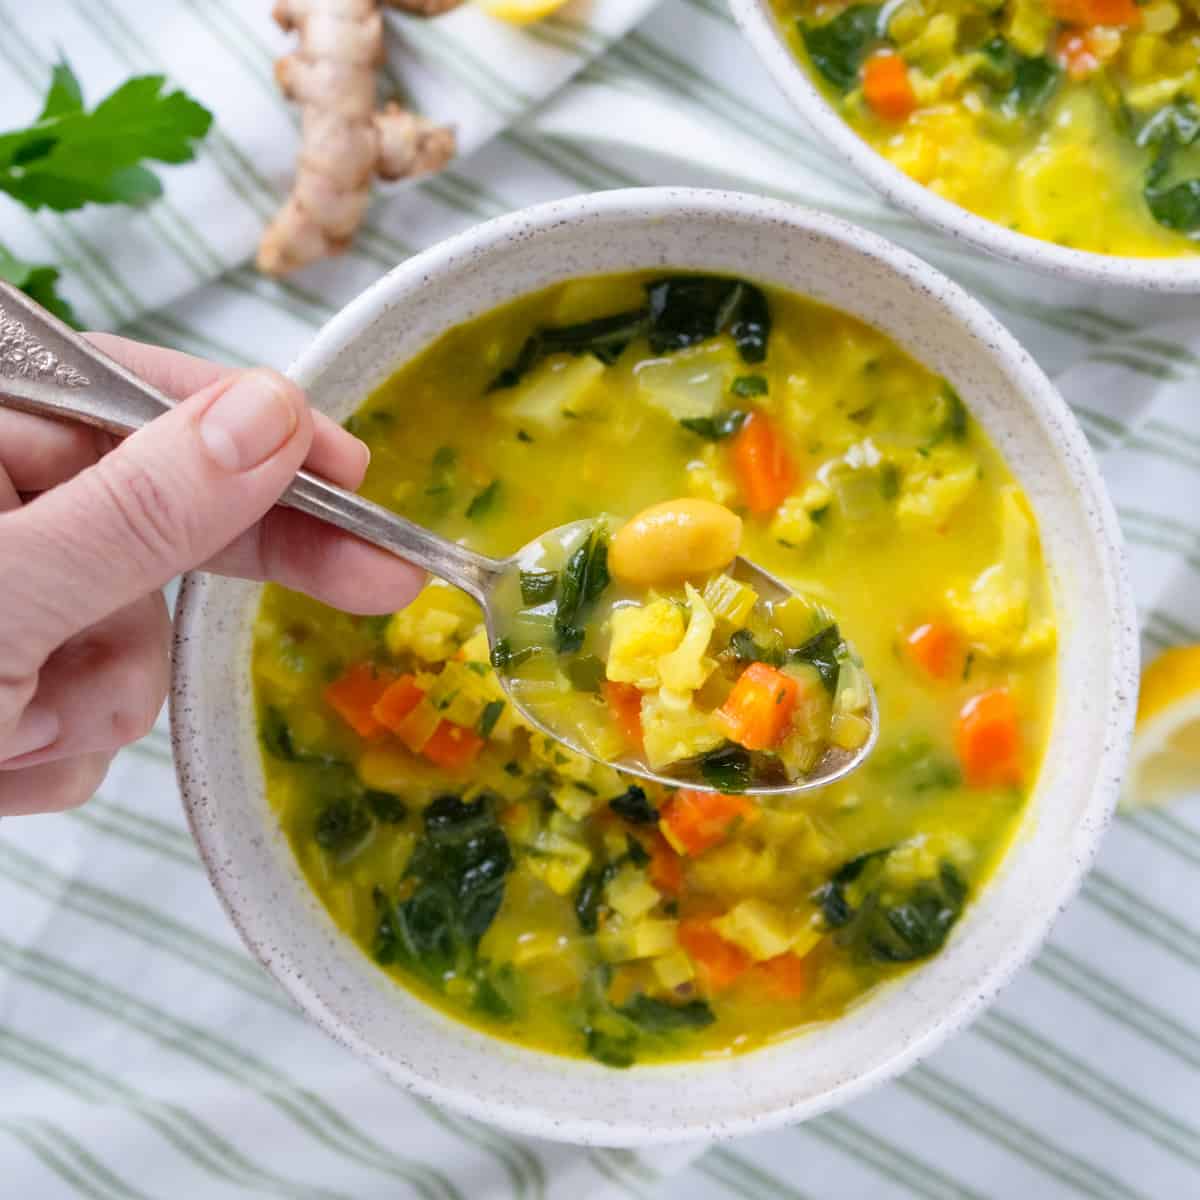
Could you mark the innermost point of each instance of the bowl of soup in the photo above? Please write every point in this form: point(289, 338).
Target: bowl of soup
point(1062, 134)
point(539, 940)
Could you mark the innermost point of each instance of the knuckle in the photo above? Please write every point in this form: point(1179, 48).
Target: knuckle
point(150, 521)
point(83, 781)
point(141, 694)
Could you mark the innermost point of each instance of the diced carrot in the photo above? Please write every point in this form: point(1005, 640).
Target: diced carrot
point(887, 88)
point(397, 702)
point(696, 821)
point(1097, 12)
point(719, 961)
point(765, 471)
point(935, 648)
point(452, 746)
point(666, 867)
point(1073, 52)
point(784, 977)
point(758, 712)
point(354, 694)
point(988, 739)
point(626, 703)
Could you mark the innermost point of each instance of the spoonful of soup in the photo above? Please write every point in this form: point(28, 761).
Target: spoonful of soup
point(649, 645)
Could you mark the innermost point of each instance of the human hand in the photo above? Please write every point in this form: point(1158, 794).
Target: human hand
point(90, 530)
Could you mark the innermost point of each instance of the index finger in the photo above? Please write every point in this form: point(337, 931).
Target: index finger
point(171, 371)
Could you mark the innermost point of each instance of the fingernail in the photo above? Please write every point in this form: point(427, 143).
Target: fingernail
point(248, 422)
point(36, 729)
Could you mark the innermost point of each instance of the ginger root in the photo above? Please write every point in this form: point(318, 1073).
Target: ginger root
point(345, 139)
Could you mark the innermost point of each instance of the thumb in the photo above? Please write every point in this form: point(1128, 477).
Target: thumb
point(168, 498)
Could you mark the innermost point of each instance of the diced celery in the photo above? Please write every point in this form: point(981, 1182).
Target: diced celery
point(652, 938)
point(849, 731)
point(558, 861)
point(730, 600)
point(673, 970)
point(691, 383)
point(672, 730)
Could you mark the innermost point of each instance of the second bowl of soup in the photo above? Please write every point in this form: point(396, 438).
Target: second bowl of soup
point(1064, 134)
point(539, 939)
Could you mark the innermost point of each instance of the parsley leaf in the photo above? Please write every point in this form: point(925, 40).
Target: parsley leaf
point(39, 282)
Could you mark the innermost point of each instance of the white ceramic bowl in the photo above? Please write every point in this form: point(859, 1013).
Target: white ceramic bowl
point(281, 920)
point(762, 29)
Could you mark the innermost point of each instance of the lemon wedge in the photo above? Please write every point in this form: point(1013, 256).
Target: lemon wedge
point(1165, 762)
point(520, 12)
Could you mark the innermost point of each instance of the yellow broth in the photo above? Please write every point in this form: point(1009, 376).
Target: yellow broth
point(537, 895)
point(1073, 121)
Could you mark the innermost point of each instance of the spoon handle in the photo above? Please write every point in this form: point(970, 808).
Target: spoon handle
point(47, 369)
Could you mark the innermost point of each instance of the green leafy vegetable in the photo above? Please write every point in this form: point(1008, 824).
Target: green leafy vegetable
point(612, 1049)
point(1022, 84)
point(891, 924)
point(484, 501)
point(605, 337)
point(276, 735)
point(635, 852)
point(633, 806)
point(453, 887)
point(717, 428)
point(497, 991)
point(749, 385)
point(1172, 182)
point(590, 895)
point(503, 657)
point(586, 673)
point(746, 648)
point(729, 767)
point(39, 283)
point(951, 421)
point(538, 586)
point(342, 826)
point(824, 650)
point(490, 715)
point(386, 806)
point(688, 309)
point(838, 47)
point(583, 578)
point(660, 1016)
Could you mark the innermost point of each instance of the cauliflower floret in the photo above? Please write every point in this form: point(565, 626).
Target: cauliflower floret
point(641, 635)
point(932, 488)
point(996, 614)
point(686, 667)
point(673, 728)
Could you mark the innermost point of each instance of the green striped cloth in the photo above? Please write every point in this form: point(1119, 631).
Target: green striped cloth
point(144, 1054)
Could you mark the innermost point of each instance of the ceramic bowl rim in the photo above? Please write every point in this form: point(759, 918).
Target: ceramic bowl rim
point(1162, 275)
point(356, 319)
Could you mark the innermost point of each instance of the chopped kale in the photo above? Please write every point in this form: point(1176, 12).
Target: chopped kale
point(586, 673)
point(686, 310)
point(484, 501)
point(1172, 182)
point(342, 826)
point(729, 767)
point(503, 657)
point(717, 428)
point(889, 924)
point(582, 580)
point(386, 806)
point(824, 650)
point(488, 718)
point(538, 586)
point(632, 805)
point(590, 895)
point(497, 991)
point(276, 735)
point(635, 852)
point(746, 648)
point(951, 422)
point(661, 1016)
point(605, 337)
point(749, 385)
point(837, 48)
point(453, 887)
point(613, 1050)
point(1022, 84)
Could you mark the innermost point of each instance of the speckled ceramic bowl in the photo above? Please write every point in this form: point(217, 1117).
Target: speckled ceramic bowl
point(281, 920)
point(762, 29)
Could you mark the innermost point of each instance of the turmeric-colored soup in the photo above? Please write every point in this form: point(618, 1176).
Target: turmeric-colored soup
point(546, 898)
point(1074, 121)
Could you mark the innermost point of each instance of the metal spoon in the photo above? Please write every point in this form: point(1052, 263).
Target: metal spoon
point(49, 370)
